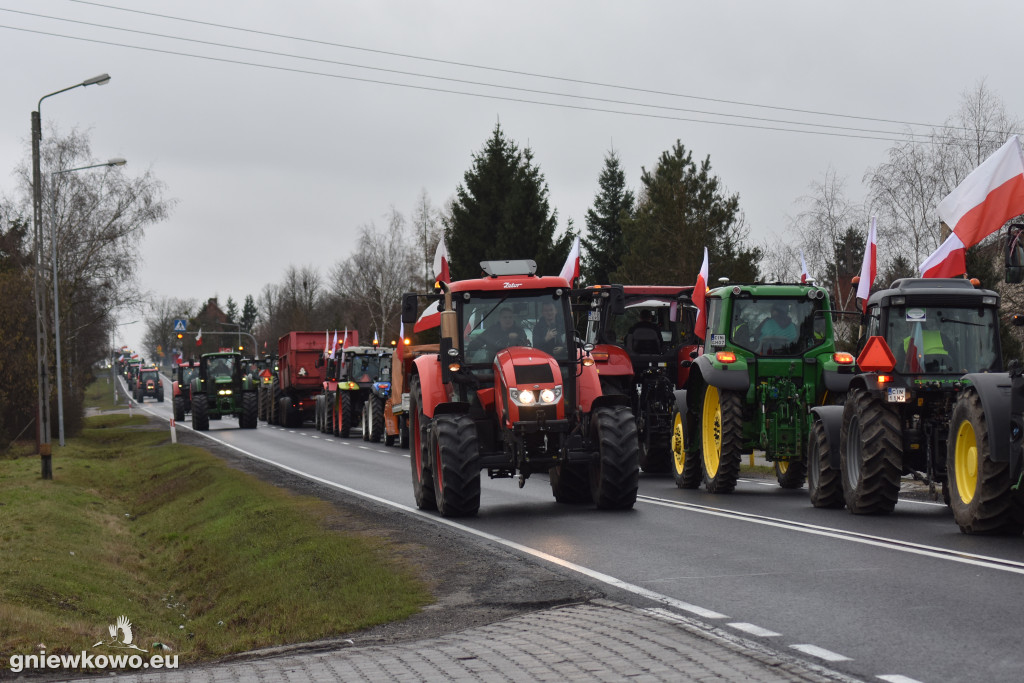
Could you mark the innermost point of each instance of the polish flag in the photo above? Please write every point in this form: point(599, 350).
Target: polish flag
point(400, 351)
point(991, 195)
point(700, 291)
point(571, 269)
point(869, 268)
point(804, 275)
point(441, 273)
point(431, 317)
point(915, 350)
point(327, 343)
point(334, 346)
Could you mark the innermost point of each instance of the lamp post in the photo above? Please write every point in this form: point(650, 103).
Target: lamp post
point(43, 408)
point(56, 302)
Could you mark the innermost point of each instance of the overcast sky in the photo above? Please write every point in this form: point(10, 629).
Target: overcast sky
point(278, 166)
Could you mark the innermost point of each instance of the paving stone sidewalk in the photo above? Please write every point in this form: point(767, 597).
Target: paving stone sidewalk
point(600, 640)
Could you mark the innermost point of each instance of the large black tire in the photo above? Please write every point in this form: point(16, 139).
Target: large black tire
point(328, 413)
point(179, 409)
point(318, 413)
point(456, 466)
point(721, 434)
point(346, 417)
point(419, 455)
point(261, 393)
point(823, 480)
point(284, 409)
point(870, 454)
point(200, 413)
point(247, 418)
point(160, 396)
point(375, 418)
point(615, 472)
point(364, 428)
point(403, 432)
point(687, 469)
point(791, 474)
point(979, 488)
point(654, 459)
point(570, 484)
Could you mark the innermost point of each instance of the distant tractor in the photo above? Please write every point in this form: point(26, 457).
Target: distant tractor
point(362, 390)
point(769, 362)
point(642, 337)
point(149, 384)
point(504, 397)
point(180, 388)
point(220, 389)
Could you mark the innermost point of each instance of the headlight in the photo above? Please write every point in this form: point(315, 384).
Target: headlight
point(551, 395)
point(526, 397)
point(224, 392)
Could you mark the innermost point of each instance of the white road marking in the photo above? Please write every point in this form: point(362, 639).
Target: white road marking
point(896, 678)
point(821, 653)
point(753, 630)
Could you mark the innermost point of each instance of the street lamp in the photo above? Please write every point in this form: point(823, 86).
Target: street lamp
point(56, 303)
point(43, 388)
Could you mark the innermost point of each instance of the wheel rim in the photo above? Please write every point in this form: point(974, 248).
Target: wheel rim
point(966, 463)
point(711, 431)
point(782, 466)
point(852, 464)
point(678, 454)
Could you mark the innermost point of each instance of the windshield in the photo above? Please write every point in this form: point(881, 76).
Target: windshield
point(943, 340)
point(648, 325)
point(492, 323)
point(365, 368)
point(777, 327)
point(149, 375)
point(221, 366)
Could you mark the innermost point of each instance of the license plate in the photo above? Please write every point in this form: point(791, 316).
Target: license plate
point(897, 394)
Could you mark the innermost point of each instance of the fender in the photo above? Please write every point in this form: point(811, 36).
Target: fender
point(608, 400)
point(736, 378)
point(428, 368)
point(994, 390)
point(588, 387)
point(612, 361)
point(831, 417)
point(836, 381)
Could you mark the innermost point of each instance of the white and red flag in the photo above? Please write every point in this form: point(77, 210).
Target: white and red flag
point(429, 318)
point(869, 267)
point(400, 351)
point(334, 345)
point(441, 273)
point(992, 194)
point(700, 292)
point(915, 350)
point(804, 275)
point(571, 269)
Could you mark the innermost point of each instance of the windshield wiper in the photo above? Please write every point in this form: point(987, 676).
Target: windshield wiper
point(962, 322)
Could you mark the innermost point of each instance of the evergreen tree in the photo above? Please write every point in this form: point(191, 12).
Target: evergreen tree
point(231, 310)
point(502, 212)
point(249, 314)
point(682, 209)
point(614, 204)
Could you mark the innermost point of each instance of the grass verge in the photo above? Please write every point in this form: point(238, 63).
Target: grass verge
point(200, 557)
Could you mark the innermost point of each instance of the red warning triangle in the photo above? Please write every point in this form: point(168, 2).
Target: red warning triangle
point(876, 356)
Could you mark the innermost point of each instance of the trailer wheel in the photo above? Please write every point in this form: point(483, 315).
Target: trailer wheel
point(422, 480)
point(823, 482)
point(345, 418)
point(870, 453)
point(375, 418)
point(179, 409)
point(456, 466)
point(686, 469)
point(980, 493)
point(721, 433)
point(570, 484)
point(615, 472)
point(200, 413)
point(791, 474)
point(247, 418)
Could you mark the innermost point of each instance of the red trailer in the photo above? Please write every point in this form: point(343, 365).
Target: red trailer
point(300, 373)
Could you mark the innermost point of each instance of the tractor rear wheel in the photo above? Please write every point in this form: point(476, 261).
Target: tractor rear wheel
point(823, 482)
point(870, 453)
point(179, 409)
point(456, 466)
point(345, 416)
point(570, 484)
point(247, 418)
point(686, 468)
point(365, 422)
point(328, 413)
point(200, 413)
point(261, 407)
point(615, 472)
point(980, 493)
point(721, 433)
point(418, 429)
point(375, 418)
point(318, 413)
point(791, 474)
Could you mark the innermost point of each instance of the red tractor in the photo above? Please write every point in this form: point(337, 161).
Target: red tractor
point(512, 392)
point(180, 389)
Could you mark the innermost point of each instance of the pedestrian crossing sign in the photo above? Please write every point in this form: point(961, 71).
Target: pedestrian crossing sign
point(179, 325)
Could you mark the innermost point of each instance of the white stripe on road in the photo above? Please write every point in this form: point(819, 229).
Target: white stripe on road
point(753, 630)
point(821, 653)
point(896, 678)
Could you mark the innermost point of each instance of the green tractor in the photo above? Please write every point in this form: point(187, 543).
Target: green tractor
point(769, 358)
point(222, 389)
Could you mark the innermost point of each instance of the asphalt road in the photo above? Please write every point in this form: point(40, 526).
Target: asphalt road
point(899, 598)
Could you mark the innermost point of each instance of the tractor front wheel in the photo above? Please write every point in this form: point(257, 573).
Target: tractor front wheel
point(615, 472)
point(721, 433)
point(456, 466)
point(418, 431)
point(200, 413)
point(345, 417)
point(179, 409)
point(375, 418)
point(570, 484)
point(328, 413)
point(686, 468)
point(247, 418)
point(823, 482)
point(790, 474)
point(365, 421)
point(870, 453)
point(980, 489)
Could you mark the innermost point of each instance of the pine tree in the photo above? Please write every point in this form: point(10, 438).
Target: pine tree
point(249, 314)
point(231, 310)
point(681, 210)
point(613, 205)
point(502, 212)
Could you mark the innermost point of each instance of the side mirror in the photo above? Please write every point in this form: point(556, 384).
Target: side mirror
point(1015, 254)
point(617, 305)
point(410, 307)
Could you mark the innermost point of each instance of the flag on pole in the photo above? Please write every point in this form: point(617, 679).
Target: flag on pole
point(571, 269)
point(804, 275)
point(199, 336)
point(915, 350)
point(344, 344)
point(992, 194)
point(869, 267)
point(700, 291)
point(400, 351)
point(327, 343)
point(431, 317)
point(334, 345)
point(441, 273)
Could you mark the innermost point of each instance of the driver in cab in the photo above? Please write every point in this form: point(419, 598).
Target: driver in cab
point(506, 333)
point(779, 324)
